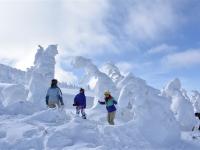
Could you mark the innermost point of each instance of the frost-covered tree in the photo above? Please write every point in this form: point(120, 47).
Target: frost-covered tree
point(151, 110)
point(102, 81)
point(195, 99)
point(41, 74)
point(180, 104)
point(112, 71)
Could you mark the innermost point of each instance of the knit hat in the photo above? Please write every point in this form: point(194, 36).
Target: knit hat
point(54, 82)
point(107, 93)
point(82, 90)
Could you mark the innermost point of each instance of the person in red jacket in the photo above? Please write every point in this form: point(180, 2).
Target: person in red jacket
point(110, 103)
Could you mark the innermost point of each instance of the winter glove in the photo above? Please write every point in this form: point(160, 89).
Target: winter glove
point(102, 103)
point(115, 102)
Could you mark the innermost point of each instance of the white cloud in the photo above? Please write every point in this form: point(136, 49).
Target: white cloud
point(18, 57)
point(126, 67)
point(77, 26)
point(135, 67)
point(83, 27)
point(182, 59)
point(149, 20)
point(24, 25)
point(163, 48)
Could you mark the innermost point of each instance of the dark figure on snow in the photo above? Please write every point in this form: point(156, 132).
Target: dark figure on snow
point(80, 103)
point(54, 96)
point(110, 106)
point(198, 116)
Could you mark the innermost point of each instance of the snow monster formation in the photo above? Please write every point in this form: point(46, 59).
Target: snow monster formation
point(112, 71)
point(39, 76)
point(151, 111)
point(103, 82)
point(195, 99)
point(180, 104)
point(141, 105)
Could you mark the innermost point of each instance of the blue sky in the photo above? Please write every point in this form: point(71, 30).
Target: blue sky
point(157, 40)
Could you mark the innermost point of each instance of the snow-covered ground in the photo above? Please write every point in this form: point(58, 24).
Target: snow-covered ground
point(146, 119)
point(56, 130)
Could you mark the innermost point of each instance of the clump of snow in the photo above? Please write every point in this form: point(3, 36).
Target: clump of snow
point(15, 139)
point(41, 74)
point(180, 104)
point(58, 141)
point(14, 93)
point(77, 132)
point(50, 116)
point(20, 107)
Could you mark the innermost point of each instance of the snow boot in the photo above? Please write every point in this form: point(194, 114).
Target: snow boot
point(84, 117)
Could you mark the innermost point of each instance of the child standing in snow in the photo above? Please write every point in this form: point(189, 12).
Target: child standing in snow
point(80, 103)
point(54, 95)
point(110, 106)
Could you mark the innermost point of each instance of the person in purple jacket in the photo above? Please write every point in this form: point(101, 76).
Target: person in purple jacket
point(80, 103)
point(110, 103)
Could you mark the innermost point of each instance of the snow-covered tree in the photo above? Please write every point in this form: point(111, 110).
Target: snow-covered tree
point(102, 81)
point(180, 104)
point(41, 74)
point(195, 99)
point(112, 71)
point(151, 111)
